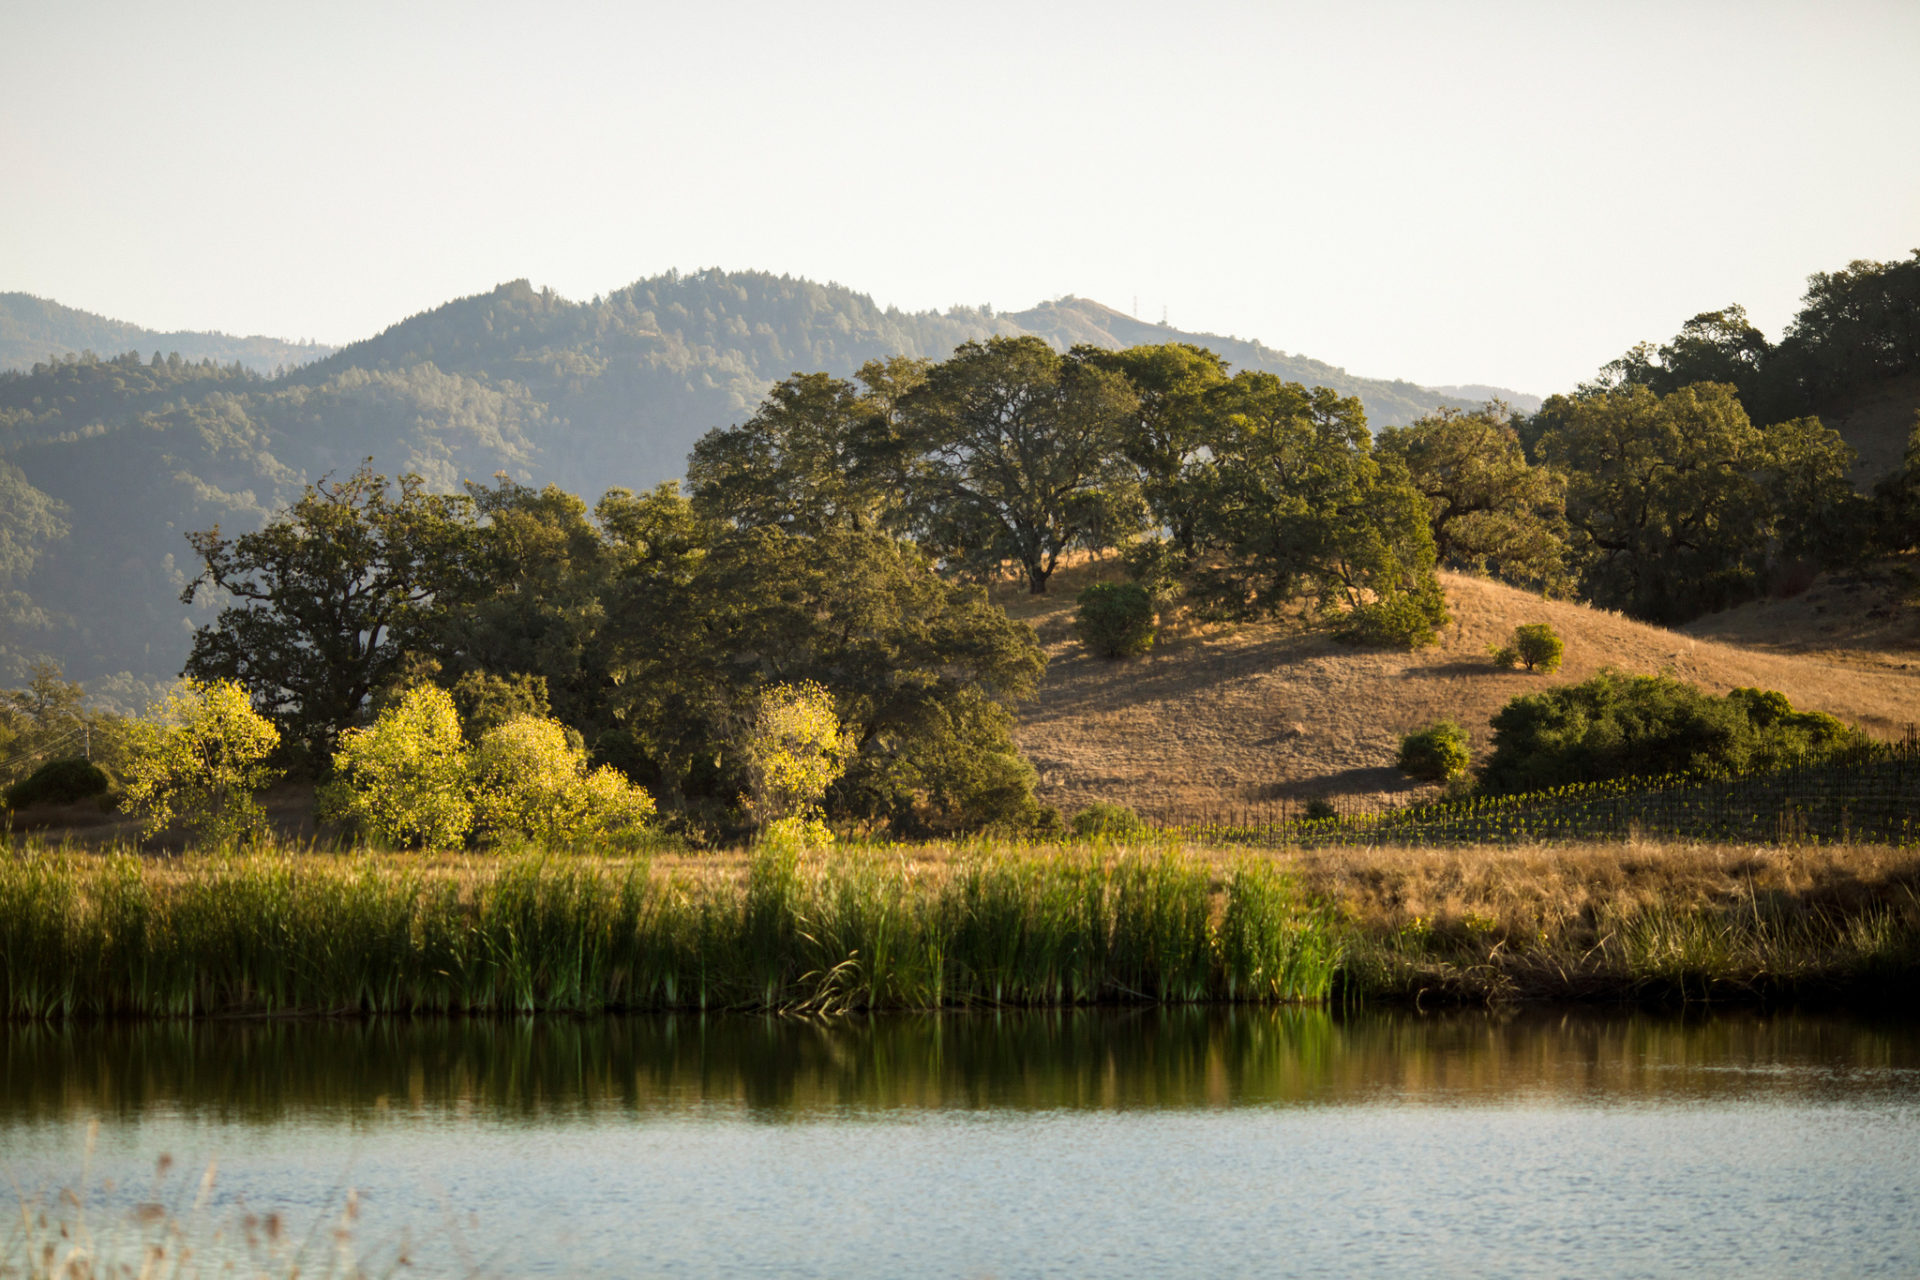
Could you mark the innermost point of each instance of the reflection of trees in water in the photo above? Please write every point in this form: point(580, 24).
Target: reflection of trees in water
point(776, 1068)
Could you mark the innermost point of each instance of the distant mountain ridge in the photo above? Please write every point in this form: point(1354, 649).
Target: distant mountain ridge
point(106, 462)
point(1390, 403)
point(34, 329)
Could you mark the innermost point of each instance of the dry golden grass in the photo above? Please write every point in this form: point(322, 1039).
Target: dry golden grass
point(1217, 720)
point(1870, 618)
point(1536, 890)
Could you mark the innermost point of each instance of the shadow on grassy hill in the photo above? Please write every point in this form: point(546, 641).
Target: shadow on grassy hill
point(1217, 719)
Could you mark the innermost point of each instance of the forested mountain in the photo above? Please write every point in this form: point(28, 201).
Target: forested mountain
point(106, 463)
point(36, 329)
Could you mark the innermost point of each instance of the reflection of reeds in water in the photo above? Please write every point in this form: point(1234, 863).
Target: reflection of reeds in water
point(60, 1236)
point(380, 1074)
point(279, 932)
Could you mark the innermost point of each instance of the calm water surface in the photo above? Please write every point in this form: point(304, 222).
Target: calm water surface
point(1205, 1143)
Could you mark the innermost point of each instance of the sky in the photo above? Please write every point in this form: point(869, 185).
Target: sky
point(1471, 192)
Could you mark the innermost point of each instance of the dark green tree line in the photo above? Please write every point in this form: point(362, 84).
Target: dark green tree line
point(1679, 504)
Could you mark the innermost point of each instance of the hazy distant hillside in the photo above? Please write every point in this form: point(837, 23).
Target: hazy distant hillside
point(33, 329)
point(107, 462)
point(1480, 394)
point(1389, 403)
point(631, 380)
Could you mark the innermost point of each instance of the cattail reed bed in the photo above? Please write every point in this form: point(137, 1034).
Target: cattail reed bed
point(288, 932)
point(285, 931)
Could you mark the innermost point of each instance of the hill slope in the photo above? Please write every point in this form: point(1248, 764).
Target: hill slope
point(1221, 720)
point(34, 329)
point(1869, 618)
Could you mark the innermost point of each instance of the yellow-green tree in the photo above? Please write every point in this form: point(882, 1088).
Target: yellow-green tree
point(531, 782)
point(198, 761)
point(405, 779)
point(796, 750)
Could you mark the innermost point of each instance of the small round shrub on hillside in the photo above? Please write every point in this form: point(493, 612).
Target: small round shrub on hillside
point(1533, 645)
point(58, 782)
point(1319, 809)
point(1115, 619)
point(1437, 753)
point(1103, 819)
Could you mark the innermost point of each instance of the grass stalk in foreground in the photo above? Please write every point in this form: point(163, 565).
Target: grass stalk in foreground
point(59, 1235)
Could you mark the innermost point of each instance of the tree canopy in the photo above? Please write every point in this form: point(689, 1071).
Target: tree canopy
point(1679, 504)
point(1489, 507)
point(1021, 455)
point(327, 599)
point(1293, 501)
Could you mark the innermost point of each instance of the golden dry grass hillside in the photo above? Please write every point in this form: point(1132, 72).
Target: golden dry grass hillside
point(1870, 618)
point(1218, 720)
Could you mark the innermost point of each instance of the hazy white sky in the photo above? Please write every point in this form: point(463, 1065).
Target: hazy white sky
point(1449, 192)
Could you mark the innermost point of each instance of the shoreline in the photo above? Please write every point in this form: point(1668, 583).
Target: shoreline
point(286, 934)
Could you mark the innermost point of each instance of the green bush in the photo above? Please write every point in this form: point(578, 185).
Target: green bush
point(531, 783)
point(406, 778)
point(1619, 726)
point(1045, 823)
point(58, 782)
point(1103, 819)
point(1403, 621)
point(1533, 645)
point(1115, 619)
point(1437, 753)
point(198, 761)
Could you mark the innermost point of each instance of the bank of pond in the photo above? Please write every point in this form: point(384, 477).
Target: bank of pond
point(289, 931)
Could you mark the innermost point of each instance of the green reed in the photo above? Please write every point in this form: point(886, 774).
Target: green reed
point(281, 931)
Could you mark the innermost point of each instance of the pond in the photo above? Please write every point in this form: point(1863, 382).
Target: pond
point(1206, 1142)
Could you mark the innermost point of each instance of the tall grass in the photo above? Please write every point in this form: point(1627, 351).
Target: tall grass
point(280, 931)
point(285, 931)
point(1750, 947)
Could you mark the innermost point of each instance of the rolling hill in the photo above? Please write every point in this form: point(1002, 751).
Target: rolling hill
point(1218, 721)
point(33, 330)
